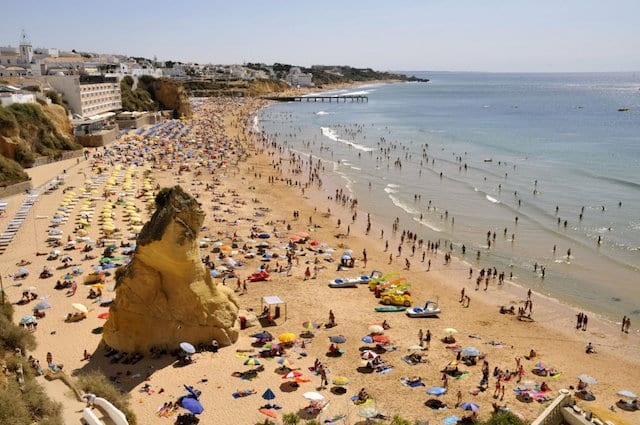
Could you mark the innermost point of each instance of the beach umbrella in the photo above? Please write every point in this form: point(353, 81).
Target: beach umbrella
point(470, 351)
point(437, 391)
point(284, 362)
point(269, 412)
point(26, 320)
point(104, 315)
point(262, 335)
point(368, 412)
point(540, 366)
point(367, 339)
point(368, 355)
point(467, 405)
point(382, 339)
point(304, 235)
point(105, 260)
point(252, 361)
point(528, 383)
point(287, 338)
point(340, 380)
point(32, 289)
point(450, 330)
point(376, 329)
point(415, 347)
point(42, 305)
point(268, 394)
point(310, 325)
point(587, 379)
point(292, 374)
point(313, 396)
point(627, 394)
point(187, 348)
point(338, 339)
point(97, 286)
point(80, 307)
point(192, 405)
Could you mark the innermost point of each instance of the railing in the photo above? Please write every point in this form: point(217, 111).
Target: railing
point(552, 415)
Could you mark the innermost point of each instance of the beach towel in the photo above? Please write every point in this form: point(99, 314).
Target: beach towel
point(409, 361)
point(451, 420)
point(462, 375)
point(414, 384)
point(384, 371)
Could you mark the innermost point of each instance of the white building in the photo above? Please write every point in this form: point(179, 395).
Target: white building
point(297, 78)
point(16, 61)
point(10, 95)
point(88, 95)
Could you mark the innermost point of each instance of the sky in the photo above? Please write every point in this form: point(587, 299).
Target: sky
point(437, 35)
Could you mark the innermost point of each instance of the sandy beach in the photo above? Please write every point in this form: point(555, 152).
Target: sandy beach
point(262, 190)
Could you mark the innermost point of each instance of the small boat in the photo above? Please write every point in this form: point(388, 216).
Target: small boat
point(390, 308)
point(488, 160)
point(430, 309)
point(350, 282)
point(623, 109)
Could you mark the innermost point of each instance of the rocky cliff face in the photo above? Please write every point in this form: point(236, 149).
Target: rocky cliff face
point(168, 93)
point(28, 131)
point(166, 295)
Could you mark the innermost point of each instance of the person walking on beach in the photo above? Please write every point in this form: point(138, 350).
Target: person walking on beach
point(461, 296)
point(585, 319)
point(579, 321)
point(420, 337)
point(427, 338)
point(628, 325)
point(624, 323)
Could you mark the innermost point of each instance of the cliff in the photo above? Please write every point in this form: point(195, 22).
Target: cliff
point(165, 295)
point(155, 94)
point(28, 131)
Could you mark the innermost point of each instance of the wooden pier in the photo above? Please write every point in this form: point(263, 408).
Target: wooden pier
point(338, 99)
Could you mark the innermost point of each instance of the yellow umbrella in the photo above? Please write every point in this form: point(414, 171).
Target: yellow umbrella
point(97, 286)
point(287, 338)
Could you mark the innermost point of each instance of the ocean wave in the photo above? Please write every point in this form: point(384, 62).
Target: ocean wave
point(323, 113)
point(256, 124)
point(406, 208)
point(331, 134)
point(356, 168)
point(393, 185)
point(427, 224)
point(356, 93)
point(390, 190)
point(491, 199)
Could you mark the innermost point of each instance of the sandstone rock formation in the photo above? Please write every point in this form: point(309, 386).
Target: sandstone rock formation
point(165, 295)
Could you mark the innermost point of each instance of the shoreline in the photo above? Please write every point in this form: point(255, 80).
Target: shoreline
point(353, 310)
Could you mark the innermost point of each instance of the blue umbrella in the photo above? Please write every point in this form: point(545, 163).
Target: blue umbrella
point(470, 352)
point(109, 266)
point(264, 236)
point(192, 405)
point(262, 335)
point(437, 391)
point(27, 320)
point(194, 393)
point(268, 394)
point(367, 339)
point(42, 305)
point(467, 405)
point(338, 339)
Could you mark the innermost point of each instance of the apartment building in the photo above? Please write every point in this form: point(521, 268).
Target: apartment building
point(88, 95)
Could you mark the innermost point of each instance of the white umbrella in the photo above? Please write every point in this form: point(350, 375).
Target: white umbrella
point(80, 307)
point(368, 355)
point(368, 412)
point(587, 379)
point(376, 329)
point(313, 396)
point(187, 348)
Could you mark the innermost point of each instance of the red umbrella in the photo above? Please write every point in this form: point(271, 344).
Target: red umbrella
point(383, 339)
point(104, 315)
point(292, 374)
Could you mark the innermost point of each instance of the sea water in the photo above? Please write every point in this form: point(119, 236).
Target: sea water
point(467, 153)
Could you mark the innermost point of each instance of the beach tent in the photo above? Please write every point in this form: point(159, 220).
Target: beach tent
point(273, 300)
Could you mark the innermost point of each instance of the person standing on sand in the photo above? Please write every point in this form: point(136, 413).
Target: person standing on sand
point(461, 295)
point(427, 338)
point(420, 337)
point(585, 319)
point(624, 323)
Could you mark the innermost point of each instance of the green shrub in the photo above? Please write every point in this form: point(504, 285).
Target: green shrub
point(13, 336)
point(96, 383)
point(290, 419)
point(398, 420)
point(504, 418)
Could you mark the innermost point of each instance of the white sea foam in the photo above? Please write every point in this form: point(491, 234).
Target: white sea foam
point(406, 208)
point(256, 126)
point(389, 189)
point(426, 224)
point(323, 113)
point(331, 134)
point(356, 93)
point(356, 168)
point(393, 185)
point(492, 199)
